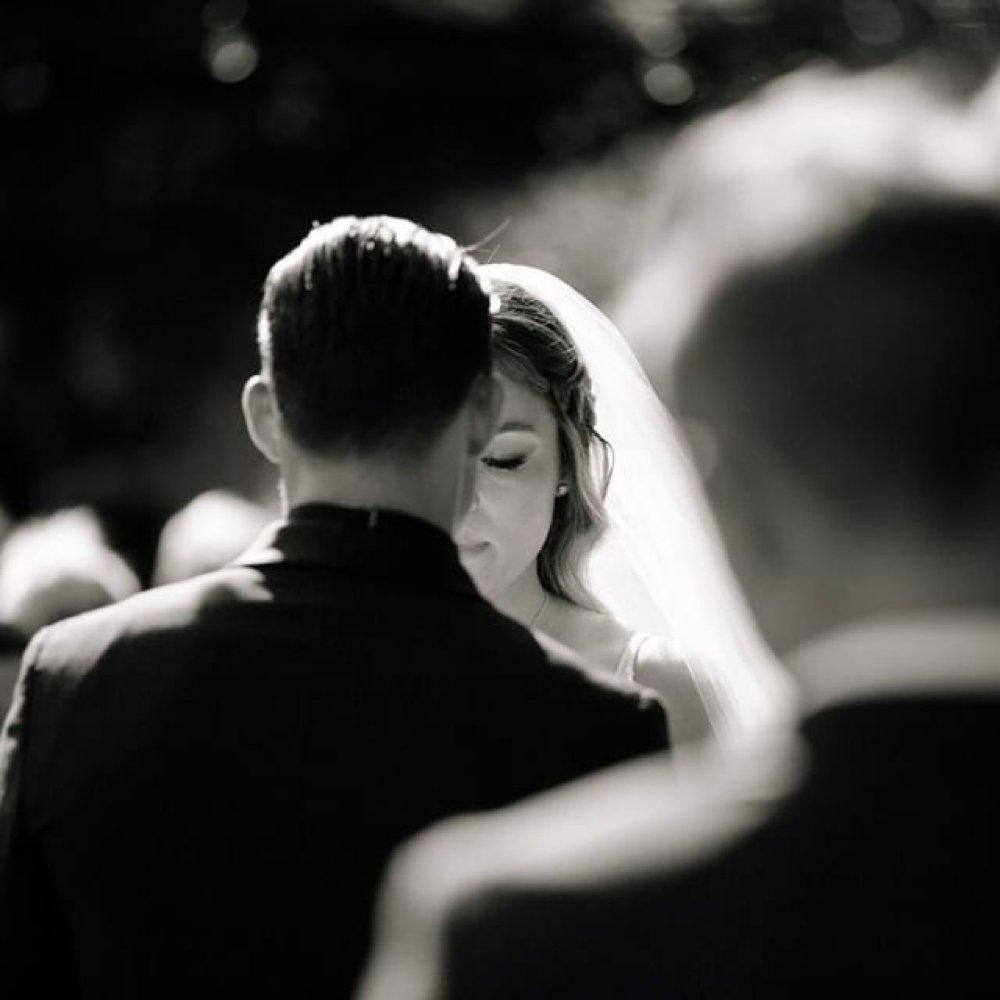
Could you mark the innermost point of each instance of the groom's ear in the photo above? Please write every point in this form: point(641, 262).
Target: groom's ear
point(485, 402)
point(260, 411)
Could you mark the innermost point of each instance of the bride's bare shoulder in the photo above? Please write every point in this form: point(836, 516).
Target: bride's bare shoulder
point(593, 634)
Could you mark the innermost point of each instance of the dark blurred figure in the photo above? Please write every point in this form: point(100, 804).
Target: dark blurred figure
point(51, 568)
point(11, 643)
point(848, 384)
point(205, 534)
point(201, 785)
point(11, 648)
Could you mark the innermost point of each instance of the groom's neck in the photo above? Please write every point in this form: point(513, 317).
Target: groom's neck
point(421, 490)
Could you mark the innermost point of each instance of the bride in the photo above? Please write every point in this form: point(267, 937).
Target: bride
point(587, 522)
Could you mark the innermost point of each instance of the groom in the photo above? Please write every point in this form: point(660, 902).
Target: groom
point(200, 785)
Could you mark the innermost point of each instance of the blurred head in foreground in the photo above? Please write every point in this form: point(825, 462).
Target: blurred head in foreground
point(374, 338)
point(57, 566)
point(806, 151)
point(214, 528)
point(848, 385)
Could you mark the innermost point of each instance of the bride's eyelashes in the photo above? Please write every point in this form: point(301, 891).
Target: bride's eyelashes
point(511, 448)
point(504, 464)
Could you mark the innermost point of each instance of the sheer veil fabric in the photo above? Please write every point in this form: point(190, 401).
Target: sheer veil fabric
point(660, 567)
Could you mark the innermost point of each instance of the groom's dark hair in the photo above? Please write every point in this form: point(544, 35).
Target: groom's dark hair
point(371, 333)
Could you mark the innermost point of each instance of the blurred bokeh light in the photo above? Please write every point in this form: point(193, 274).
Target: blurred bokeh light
point(231, 55)
point(668, 83)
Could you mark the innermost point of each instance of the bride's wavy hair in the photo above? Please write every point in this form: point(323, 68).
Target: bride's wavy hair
point(532, 346)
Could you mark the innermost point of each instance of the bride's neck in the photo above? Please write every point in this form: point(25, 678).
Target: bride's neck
point(523, 599)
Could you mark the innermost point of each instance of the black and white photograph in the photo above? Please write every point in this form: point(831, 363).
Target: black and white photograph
point(500, 499)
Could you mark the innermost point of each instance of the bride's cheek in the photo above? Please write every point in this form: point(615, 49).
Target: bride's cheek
point(537, 515)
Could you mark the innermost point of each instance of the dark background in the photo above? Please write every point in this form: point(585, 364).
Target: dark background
point(156, 158)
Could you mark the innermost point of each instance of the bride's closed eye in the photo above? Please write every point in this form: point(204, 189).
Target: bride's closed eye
point(504, 464)
point(511, 448)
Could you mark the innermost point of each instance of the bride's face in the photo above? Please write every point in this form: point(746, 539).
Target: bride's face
point(510, 516)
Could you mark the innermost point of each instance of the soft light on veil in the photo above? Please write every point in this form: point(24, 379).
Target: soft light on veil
point(660, 567)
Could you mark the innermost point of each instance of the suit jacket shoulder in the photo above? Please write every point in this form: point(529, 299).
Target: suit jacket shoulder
point(565, 661)
point(85, 638)
point(565, 717)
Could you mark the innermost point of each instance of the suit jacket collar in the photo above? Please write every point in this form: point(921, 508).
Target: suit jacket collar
point(371, 542)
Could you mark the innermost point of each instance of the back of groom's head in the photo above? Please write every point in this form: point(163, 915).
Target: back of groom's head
point(371, 333)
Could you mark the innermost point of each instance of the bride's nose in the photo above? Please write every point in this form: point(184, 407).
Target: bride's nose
point(476, 491)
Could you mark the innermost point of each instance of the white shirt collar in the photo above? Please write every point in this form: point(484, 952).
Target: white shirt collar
point(928, 652)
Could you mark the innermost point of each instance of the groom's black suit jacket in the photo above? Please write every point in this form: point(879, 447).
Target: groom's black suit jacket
point(878, 876)
point(201, 784)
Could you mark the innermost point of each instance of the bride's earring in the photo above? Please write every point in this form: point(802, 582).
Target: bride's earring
point(561, 490)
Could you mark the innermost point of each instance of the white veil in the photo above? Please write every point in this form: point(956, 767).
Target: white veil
point(660, 568)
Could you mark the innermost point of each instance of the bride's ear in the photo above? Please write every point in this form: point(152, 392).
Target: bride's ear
point(485, 402)
point(260, 411)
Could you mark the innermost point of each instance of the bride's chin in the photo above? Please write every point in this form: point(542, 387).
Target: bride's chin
point(475, 569)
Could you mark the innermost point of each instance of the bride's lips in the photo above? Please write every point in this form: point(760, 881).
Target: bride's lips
point(473, 548)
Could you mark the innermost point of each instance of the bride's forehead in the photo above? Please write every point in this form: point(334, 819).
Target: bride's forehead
point(524, 405)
